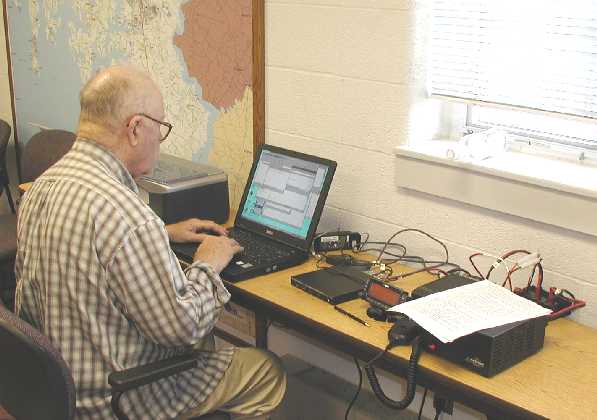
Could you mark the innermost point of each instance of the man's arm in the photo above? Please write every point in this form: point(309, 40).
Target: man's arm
point(167, 306)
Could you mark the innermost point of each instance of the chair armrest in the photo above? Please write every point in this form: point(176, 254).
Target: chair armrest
point(127, 379)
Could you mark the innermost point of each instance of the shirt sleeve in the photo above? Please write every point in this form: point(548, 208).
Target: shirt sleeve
point(167, 305)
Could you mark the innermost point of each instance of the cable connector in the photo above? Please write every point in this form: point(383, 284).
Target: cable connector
point(528, 260)
point(443, 405)
point(497, 262)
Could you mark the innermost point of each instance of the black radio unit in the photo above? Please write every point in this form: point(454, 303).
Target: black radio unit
point(334, 241)
point(488, 351)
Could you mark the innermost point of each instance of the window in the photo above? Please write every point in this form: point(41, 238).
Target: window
point(527, 66)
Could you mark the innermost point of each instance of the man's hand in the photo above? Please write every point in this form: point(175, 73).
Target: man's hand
point(193, 230)
point(217, 251)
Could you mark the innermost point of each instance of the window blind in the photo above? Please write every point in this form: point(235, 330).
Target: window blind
point(525, 53)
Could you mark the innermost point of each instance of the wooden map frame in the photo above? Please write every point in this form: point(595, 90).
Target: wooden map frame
point(258, 75)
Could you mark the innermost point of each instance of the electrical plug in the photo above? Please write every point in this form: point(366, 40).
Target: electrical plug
point(528, 260)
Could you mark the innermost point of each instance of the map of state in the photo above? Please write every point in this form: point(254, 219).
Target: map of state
point(217, 48)
point(199, 52)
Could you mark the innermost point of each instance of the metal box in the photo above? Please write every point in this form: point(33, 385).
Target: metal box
point(180, 189)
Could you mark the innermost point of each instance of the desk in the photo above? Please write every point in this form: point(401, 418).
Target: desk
point(559, 382)
point(24, 187)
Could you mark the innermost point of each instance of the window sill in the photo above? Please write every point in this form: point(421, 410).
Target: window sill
point(547, 190)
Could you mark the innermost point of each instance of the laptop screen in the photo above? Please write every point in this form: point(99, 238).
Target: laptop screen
point(286, 191)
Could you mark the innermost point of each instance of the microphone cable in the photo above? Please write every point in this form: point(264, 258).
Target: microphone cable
point(411, 375)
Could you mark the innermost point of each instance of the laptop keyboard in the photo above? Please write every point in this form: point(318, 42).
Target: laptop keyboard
point(257, 251)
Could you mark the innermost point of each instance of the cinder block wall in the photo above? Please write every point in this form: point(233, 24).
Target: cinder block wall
point(340, 76)
point(340, 80)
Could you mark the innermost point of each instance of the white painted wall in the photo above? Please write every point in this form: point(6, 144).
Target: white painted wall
point(6, 113)
point(338, 84)
point(343, 82)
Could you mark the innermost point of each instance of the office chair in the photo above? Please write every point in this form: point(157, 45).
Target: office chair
point(8, 252)
point(43, 150)
point(36, 383)
point(4, 182)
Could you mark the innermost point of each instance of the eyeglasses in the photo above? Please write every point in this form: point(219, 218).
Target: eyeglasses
point(165, 127)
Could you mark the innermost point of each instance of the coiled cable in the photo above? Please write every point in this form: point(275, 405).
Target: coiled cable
point(411, 375)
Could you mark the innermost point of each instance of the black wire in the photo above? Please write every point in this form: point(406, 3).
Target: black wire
point(359, 386)
point(412, 258)
point(569, 293)
point(379, 355)
point(391, 244)
point(389, 241)
point(386, 260)
point(422, 404)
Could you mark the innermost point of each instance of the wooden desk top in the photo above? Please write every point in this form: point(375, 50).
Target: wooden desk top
point(24, 187)
point(559, 382)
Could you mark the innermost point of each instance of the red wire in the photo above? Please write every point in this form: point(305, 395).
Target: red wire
point(507, 255)
point(574, 305)
point(509, 276)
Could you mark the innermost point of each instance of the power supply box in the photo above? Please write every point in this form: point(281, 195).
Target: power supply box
point(488, 351)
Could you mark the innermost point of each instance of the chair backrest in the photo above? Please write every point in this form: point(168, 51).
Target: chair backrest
point(43, 150)
point(35, 382)
point(4, 138)
point(8, 237)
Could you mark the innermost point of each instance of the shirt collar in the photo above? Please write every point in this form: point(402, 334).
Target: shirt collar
point(107, 160)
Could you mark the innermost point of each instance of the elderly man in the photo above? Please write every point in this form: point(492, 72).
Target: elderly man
point(96, 273)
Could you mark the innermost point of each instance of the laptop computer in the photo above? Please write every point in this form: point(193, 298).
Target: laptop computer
point(278, 213)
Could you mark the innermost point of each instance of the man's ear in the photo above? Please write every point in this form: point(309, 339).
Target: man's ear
point(132, 130)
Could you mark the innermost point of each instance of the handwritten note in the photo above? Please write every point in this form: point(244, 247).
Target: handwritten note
point(466, 309)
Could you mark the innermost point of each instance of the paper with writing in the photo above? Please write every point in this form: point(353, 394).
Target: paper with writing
point(463, 310)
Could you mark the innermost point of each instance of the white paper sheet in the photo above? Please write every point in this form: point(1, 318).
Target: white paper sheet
point(466, 309)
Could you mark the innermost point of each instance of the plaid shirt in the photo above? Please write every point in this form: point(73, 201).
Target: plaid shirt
point(97, 276)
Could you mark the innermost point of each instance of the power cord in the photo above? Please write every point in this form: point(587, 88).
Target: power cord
point(359, 386)
point(422, 404)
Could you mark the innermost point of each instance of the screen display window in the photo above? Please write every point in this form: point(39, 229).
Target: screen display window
point(284, 192)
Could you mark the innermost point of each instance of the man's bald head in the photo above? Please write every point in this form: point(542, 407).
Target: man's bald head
point(114, 94)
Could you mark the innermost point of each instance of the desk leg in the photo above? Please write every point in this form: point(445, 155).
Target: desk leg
point(260, 331)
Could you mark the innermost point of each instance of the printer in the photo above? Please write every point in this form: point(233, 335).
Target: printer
point(179, 189)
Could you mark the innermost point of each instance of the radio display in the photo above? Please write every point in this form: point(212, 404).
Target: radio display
point(383, 294)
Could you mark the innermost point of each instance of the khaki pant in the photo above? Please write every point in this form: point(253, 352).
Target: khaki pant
point(251, 388)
